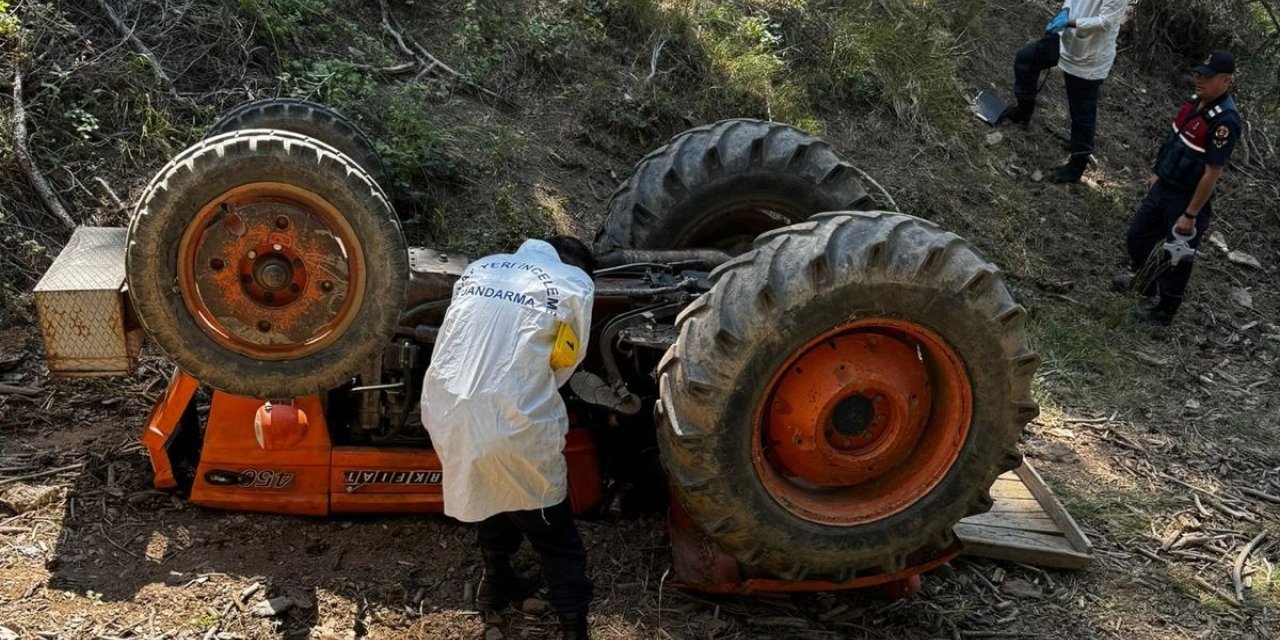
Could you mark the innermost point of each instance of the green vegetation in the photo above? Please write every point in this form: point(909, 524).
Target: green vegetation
point(8, 21)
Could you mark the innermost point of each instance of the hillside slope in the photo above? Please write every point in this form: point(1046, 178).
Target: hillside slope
point(552, 104)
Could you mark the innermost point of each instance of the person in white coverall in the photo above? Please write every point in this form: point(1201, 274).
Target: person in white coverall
point(491, 404)
point(1080, 40)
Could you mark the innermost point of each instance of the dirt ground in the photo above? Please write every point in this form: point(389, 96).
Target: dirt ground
point(92, 552)
point(1164, 445)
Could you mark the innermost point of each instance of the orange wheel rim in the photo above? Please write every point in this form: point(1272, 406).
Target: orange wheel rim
point(271, 271)
point(861, 422)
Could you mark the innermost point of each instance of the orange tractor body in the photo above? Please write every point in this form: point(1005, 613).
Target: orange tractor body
point(824, 390)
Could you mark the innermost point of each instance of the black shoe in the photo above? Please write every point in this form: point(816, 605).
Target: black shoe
point(573, 626)
point(1066, 174)
point(1154, 316)
point(1123, 282)
point(1019, 113)
point(501, 585)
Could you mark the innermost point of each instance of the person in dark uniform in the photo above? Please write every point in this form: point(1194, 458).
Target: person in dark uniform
point(1180, 189)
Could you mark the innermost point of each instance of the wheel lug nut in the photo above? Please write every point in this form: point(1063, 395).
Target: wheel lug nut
point(268, 296)
point(294, 288)
point(326, 286)
point(252, 254)
point(217, 264)
point(264, 326)
point(282, 223)
point(276, 247)
point(881, 418)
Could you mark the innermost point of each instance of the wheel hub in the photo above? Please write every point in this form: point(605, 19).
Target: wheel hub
point(862, 421)
point(247, 267)
point(849, 409)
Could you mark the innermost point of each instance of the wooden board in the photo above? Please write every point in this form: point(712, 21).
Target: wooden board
point(1026, 524)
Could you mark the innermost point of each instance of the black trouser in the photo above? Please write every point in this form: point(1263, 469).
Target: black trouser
point(1152, 226)
point(554, 536)
point(1082, 95)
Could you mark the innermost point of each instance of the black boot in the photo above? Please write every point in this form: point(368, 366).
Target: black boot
point(1154, 316)
point(1123, 282)
point(1067, 174)
point(1021, 112)
point(501, 585)
point(573, 626)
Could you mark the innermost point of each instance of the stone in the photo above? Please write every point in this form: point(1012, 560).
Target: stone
point(534, 606)
point(1218, 241)
point(1242, 258)
point(1053, 452)
point(994, 138)
point(1241, 297)
point(1020, 588)
point(8, 634)
point(272, 607)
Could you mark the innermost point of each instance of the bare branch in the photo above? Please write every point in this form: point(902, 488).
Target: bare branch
point(20, 149)
point(138, 46)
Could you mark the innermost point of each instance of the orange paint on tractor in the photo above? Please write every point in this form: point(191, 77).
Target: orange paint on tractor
point(278, 458)
point(862, 421)
point(163, 421)
point(236, 473)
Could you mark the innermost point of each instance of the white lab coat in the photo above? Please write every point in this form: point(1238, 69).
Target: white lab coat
point(489, 398)
point(1089, 50)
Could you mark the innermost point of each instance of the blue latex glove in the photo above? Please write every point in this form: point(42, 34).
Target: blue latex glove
point(1059, 22)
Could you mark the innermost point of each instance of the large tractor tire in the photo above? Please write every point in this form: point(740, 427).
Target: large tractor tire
point(312, 120)
point(266, 264)
point(721, 185)
point(845, 393)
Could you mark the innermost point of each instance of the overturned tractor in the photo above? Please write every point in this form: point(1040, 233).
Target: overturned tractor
point(828, 389)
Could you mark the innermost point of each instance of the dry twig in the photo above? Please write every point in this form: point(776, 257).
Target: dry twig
point(1236, 572)
point(426, 60)
point(1261, 495)
point(20, 149)
point(1204, 584)
point(8, 389)
point(41, 474)
point(138, 46)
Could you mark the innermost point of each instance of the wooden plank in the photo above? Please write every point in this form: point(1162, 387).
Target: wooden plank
point(1042, 492)
point(1017, 505)
point(1037, 549)
point(1010, 488)
point(1039, 522)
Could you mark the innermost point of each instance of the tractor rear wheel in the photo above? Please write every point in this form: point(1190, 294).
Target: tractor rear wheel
point(309, 119)
point(266, 264)
point(721, 185)
point(845, 393)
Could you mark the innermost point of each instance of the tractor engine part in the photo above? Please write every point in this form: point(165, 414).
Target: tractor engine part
point(699, 259)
